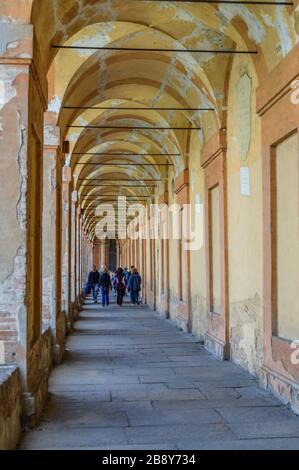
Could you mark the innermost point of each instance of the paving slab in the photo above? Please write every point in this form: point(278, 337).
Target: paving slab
point(181, 394)
point(178, 433)
point(154, 418)
point(259, 414)
point(266, 429)
point(60, 439)
point(132, 381)
point(242, 444)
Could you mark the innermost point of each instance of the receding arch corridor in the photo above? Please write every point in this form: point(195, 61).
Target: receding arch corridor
point(131, 380)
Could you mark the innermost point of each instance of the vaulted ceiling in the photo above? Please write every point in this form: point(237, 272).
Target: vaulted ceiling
point(130, 72)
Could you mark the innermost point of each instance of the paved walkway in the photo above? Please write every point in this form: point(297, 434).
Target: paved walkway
point(133, 381)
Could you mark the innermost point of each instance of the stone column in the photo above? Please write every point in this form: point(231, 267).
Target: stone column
point(213, 161)
point(23, 101)
point(118, 254)
point(163, 307)
point(53, 316)
point(78, 256)
point(74, 253)
point(184, 318)
point(82, 260)
point(104, 253)
point(152, 285)
point(96, 255)
point(66, 245)
point(144, 272)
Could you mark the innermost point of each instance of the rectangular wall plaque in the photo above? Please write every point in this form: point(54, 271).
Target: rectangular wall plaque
point(245, 181)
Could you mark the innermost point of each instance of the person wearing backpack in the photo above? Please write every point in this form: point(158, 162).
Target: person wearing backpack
point(120, 286)
point(105, 286)
point(134, 286)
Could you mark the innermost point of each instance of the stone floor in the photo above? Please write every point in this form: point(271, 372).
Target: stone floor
point(131, 380)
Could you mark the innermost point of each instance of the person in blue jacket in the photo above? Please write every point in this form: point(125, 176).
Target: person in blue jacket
point(105, 285)
point(134, 286)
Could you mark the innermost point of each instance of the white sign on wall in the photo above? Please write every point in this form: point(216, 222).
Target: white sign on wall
point(2, 94)
point(2, 353)
point(245, 181)
point(198, 204)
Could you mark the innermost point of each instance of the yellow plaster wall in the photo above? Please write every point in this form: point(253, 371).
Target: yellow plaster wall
point(245, 232)
point(197, 256)
point(215, 242)
point(287, 184)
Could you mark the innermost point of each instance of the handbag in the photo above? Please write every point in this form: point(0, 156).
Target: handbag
point(87, 288)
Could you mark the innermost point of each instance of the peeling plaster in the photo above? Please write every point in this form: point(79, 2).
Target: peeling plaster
point(283, 32)
point(246, 334)
point(7, 90)
point(55, 105)
point(256, 30)
point(9, 93)
point(244, 116)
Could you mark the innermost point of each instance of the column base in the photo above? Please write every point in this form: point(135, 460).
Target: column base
point(39, 366)
point(163, 314)
point(162, 308)
point(33, 404)
point(151, 301)
point(10, 406)
point(183, 324)
point(217, 347)
point(76, 309)
point(183, 319)
point(283, 388)
point(58, 338)
point(68, 327)
point(57, 353)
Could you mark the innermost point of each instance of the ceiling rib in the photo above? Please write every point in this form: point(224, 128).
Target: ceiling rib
point(123, 164)
point(129, 154)
point(141, 49)
point(105, 108)
point(230, 2)
point(126, 128)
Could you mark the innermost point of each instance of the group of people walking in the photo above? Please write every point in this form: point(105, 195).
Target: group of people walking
point(122, 281)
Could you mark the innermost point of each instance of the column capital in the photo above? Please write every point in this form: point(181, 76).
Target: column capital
point(52, 138)
point(181, 181)
point(181, 187)
point(75, 198)
point(16, 43)
point(164, 198)
point(216, 146)
point(18, 49)
point(66, 174)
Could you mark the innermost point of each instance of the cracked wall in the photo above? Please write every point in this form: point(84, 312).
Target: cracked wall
point(245, 220)
point(13, 145)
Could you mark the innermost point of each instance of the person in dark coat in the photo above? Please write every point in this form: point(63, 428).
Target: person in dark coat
point(134, 286)
point(105, 286)
point(120, 286)
point(93, 282)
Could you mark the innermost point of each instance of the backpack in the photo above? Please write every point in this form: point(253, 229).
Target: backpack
point(120, 283)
